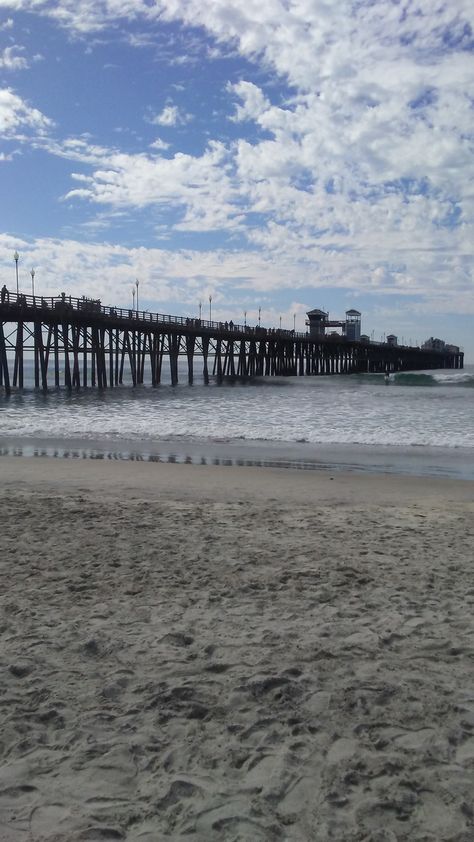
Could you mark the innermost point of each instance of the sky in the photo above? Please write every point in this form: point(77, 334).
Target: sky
point(272, 154)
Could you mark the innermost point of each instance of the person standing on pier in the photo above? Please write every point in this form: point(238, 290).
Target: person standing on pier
point(4, 293)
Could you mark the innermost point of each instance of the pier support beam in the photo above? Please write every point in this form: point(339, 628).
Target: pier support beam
point(190, 343)
point(18, 367)
point(173, 350)
point(205, 354)
point(4, 373)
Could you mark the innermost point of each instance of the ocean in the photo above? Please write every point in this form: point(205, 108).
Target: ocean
point(419, 422)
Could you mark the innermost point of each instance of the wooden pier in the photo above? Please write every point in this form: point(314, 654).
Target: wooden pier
point(77, 343)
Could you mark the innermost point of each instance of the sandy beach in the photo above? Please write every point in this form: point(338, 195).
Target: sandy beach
point(223, 653)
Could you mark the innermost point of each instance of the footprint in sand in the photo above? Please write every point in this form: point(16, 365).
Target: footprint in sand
point(342, 749)
point(46, 821)
point(465, 752)
point(414, 740)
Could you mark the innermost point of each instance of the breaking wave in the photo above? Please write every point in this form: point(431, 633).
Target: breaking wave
point(448, 378)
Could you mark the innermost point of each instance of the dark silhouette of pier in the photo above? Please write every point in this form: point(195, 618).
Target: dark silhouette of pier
point(78, 342)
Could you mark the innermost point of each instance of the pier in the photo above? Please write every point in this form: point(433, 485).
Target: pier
point(78, 343)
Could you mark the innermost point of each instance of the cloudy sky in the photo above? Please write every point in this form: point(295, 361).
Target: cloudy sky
point(281, 154)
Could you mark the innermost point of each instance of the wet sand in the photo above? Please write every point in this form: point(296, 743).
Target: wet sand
point(446, 462)
point(234, 654)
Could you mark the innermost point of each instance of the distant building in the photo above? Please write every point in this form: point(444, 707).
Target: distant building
point(433, 344)
point(364, 337)
point(353, 325)
point(317, 321)
point(392, 339)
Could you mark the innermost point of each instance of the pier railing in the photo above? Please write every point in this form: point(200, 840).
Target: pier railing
point(93, 307)
point(64, 305)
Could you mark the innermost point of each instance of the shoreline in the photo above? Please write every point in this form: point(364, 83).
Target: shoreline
point(125, 480)
point(428, 462)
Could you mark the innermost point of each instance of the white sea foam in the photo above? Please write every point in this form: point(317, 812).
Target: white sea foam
point(332, 410)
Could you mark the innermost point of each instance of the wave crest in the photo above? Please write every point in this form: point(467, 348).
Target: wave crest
point(451, 378)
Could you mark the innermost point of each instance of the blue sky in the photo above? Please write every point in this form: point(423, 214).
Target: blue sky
point(281, 154)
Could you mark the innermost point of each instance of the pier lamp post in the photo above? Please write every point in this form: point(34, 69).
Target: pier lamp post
point(245, 318)
point(133, 298)
point(210, 308)
point(259, 315)
point(136, 284)
point(200, 310)
point(32, 273)
point(280, 322)
point(16, 258)
point(294, 322)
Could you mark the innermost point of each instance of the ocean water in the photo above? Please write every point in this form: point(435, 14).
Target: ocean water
point(420, 422)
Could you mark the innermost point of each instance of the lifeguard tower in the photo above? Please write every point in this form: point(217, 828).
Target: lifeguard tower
point(353, 318)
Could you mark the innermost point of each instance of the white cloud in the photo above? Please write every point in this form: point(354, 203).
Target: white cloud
point(159, 144)
point(16, 115)
point(106, 269)
point(181, 277)
point(11, 59)
point(170, 116)
point(202, 187)
point(254, 103)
